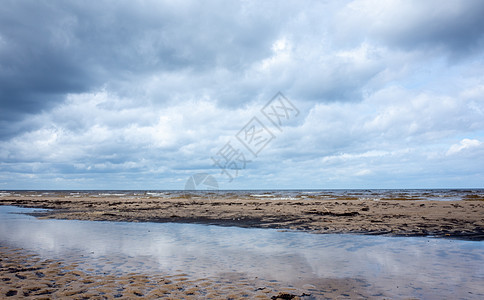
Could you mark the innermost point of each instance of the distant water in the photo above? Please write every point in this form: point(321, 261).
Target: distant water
point(375, 194)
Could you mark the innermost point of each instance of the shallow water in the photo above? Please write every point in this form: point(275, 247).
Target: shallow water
point(405, 266)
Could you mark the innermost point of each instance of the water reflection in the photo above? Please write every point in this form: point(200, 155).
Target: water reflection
point(423, 266)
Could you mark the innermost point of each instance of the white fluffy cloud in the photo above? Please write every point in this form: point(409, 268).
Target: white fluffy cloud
point(463, 145)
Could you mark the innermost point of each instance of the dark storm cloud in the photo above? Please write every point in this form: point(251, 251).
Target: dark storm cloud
point(48, 49)
point(456, 26)
point(452, 26)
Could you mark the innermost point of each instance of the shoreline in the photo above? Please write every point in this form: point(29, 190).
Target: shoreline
point(443, 219)
point(24, 274)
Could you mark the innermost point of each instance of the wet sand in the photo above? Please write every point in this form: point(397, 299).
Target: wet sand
point(401, 217)
point(26, 275)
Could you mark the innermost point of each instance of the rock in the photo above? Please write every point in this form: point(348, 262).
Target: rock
point(284, 296)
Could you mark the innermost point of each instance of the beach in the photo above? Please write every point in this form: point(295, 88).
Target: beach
point(25, 275)
point(88, 275)
point(390, 214)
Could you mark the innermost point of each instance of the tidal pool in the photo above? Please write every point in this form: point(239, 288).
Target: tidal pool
point(393, 266)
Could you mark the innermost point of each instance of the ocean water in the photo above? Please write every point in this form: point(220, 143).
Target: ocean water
point(334, 194)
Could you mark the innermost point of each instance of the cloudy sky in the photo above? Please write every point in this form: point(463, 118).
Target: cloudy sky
point(143, 94)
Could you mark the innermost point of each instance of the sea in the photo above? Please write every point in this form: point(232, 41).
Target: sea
point(323, 194)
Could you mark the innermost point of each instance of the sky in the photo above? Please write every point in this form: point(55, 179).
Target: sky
point(249, 94)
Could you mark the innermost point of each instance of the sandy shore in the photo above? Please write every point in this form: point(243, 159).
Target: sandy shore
point(460, 219)
point(26, 275)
